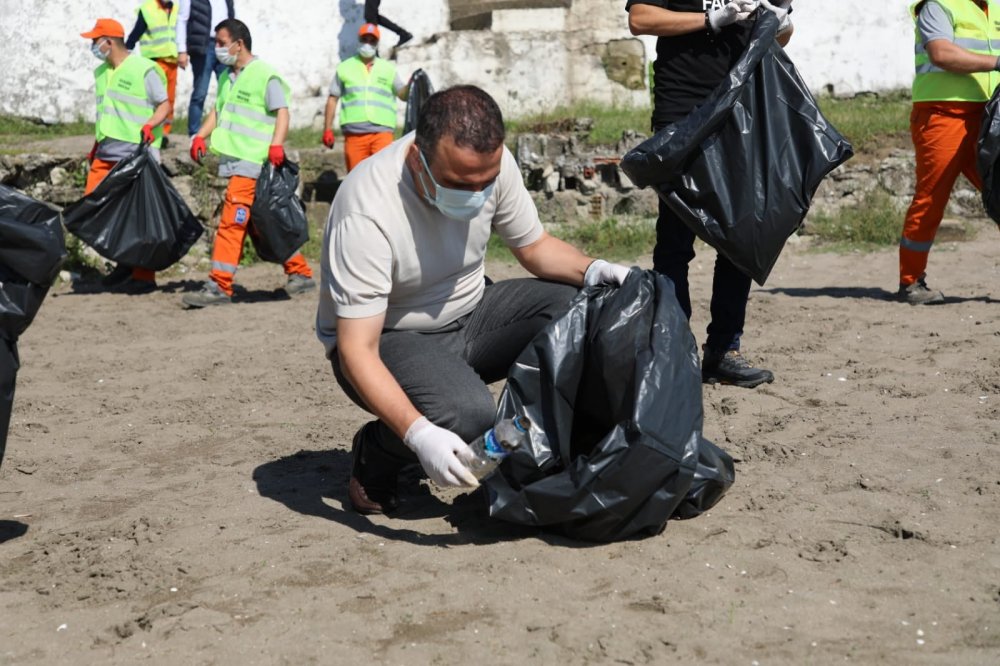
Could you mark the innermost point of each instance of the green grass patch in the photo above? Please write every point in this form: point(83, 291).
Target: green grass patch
point(875, 222)
point(613, 239)
point(609, 121)
point(870, 120)
point(16, 128)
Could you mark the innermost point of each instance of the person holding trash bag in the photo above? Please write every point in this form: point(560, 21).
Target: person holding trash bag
point(410, 324)
point(699, 42)
point(957, 58)
point(132, 104)
point(367, 87)
point(155, 30)
point(247, 128)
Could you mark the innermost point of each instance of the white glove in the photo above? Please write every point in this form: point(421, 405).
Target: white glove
point(729, 13)
point(442, 453)
point(601, 271)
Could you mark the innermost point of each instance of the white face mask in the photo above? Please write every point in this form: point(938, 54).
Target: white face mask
point(223, 55)
point(460, 205)
point(95, 48)
point(367, 50)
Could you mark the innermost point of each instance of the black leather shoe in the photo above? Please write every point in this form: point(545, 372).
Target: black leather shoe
point(374, 476)
point(730, 367)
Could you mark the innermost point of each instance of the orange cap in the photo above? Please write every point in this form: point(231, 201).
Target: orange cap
point(105, 27)
point(369, 29)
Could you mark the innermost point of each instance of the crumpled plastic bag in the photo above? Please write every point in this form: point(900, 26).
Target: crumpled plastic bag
point(741, 169)
point(135, 216)
point(613, 392)
point(32, 248)
point(988, 155)
point(278, 223)
point(420, 89)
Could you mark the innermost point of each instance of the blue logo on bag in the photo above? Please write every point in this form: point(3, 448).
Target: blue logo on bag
point(241, 215)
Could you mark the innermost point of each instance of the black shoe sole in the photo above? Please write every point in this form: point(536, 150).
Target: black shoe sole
point(708, 379)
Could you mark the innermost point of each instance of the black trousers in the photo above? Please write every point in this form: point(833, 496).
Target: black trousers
point(372, 16)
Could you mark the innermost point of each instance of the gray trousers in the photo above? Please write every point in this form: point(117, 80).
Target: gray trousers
point(445, 372)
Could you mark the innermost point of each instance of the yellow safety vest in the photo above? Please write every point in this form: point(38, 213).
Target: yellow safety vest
point(367, 96)
point(244, 127)
point(160, 38)
point(122, 104)
point(975, 32)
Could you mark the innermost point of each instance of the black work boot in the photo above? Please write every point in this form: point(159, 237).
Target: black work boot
point(729, 367)
point(374, 474)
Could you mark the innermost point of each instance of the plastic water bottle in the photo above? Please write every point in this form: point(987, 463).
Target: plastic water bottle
point(497, 443)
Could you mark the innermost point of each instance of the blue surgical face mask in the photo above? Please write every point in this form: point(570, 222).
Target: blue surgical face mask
point(95, 48)
point(460, 205)
point(367, 51)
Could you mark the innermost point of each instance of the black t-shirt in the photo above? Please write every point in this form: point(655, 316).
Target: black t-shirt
point(688, 68)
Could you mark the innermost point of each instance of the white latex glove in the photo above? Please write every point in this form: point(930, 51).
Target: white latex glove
point(601, 271)
point(442, 454)
point(729, 13)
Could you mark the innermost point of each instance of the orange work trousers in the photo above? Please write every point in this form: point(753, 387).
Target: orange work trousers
point(169, 67)
point(359, 146)
point(945, 135)
point(99, 169)
point(228, 248)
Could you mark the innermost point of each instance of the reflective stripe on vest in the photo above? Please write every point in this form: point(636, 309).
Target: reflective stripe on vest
point(160, 38)
point(122, 105)
point(367, 95)
point(975, 32)
point(244, 128)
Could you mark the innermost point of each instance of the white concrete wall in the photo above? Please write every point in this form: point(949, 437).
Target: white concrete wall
point(853, 45)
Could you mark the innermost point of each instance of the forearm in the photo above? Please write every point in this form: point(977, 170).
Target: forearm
point(953, 58)
point(329, 112)
point(207, 125)
point(377, 387)
point(280, 128)
point(659, 22)
point(160, 113)
point(553, 259)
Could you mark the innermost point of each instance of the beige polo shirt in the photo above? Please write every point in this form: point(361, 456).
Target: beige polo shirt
point(387, 250)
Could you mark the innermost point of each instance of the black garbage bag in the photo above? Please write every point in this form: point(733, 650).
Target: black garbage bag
point(613, 390)
point(988, 155)
point(420, 89)
point(741, 170)
point(32, 249)
point(135, 216)
point(278, 224)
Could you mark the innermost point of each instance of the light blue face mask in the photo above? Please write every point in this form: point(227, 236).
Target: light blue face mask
point(460, 205)
point(95, 48)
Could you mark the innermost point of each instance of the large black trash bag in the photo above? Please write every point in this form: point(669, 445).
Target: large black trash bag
point(420, 89)
point(278, 224)
point(613, 389)
point(135, 216)
point(741, 169)
point(988, 156)
point(32, 249)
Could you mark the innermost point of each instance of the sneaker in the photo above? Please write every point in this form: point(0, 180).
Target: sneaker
point(134, 287)
point(120, 274)
point(404, 37)
point(732, 368)
point(919, 293)
point(210, 294)
point(374, 477)
point(299, 283)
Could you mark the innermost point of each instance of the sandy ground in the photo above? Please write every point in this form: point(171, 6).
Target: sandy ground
point(175, 481)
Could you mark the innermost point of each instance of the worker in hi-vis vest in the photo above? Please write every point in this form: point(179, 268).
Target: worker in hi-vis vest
point(247, 128)
point(367, 87)
point(957, 58)
point(156, 31)
point(131, 106)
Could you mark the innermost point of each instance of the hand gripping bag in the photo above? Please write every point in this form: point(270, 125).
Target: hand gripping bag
point(613, 390)
point(741, 169)
point(135, 216)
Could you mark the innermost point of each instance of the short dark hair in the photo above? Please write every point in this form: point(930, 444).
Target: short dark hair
point(238, 30)
point(465, 113)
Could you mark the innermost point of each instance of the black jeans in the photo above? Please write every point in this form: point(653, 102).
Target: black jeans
point(372, 16)
point(730, 287)
point(445, 372)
